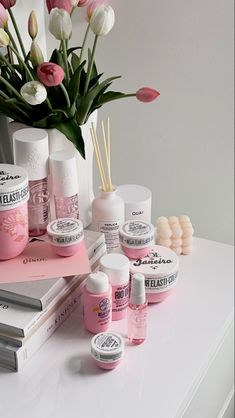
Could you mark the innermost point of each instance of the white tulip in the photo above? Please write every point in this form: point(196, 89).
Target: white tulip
point(102, 20)
point(60, 24)
point(74, 3)
point(4, 38)
point(33, 92)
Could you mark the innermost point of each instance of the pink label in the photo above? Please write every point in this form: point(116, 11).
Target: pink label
point(120, 295)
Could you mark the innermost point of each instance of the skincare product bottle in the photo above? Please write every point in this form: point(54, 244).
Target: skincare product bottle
point(137, 310)
point(14, 195)
point(64, 182)
point(107, 217)
point(31, 152)
point(117, 266)
point(97, 302)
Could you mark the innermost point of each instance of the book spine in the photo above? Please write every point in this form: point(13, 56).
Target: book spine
point(24, 353)
point(56, 300)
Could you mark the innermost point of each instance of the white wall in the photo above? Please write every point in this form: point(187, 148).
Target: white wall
point(180, 146)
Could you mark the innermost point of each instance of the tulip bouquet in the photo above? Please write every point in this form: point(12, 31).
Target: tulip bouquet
point(63, 92)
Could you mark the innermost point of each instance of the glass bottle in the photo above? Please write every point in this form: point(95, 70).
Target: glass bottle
point(137, 310)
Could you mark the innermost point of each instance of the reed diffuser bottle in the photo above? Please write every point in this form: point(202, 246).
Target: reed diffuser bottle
point(108, 209)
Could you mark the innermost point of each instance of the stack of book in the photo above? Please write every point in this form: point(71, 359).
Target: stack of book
point(31, 311)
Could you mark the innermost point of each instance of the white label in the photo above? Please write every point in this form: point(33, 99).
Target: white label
point(161, 284)
point(110, 230)
point(109, 346)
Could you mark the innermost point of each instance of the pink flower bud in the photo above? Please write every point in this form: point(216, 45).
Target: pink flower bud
point(60, 4)
point(146, 94)
point(83, 3)
point(3, 16)
point(91, 6)
point(50, 74)
point(8, 3)
point(33, 25)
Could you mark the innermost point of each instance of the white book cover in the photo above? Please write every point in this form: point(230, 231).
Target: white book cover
point(14, 357)
point(21, 322)
point(38, 294)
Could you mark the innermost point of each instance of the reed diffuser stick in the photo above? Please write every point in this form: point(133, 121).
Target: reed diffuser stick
point(106, 156)
point(98, 160)
point(105, 175)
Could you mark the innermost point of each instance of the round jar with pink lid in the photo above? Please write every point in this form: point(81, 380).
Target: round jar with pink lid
point(107, 349)
point(136, 238)
point(160, 269)
point(66, 236)
point(14, 195)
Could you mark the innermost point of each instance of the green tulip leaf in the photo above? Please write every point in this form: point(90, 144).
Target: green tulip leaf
point(73, 89)
point(73, 132)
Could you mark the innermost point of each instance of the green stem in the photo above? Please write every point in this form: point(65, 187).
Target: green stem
point(11, 38)
point(66, 95)
point(12, 89)
point(88, 75)
point(7, 63)
point(84, 42)
point(4, 95)
point(65, 57)
point(17, 32)
point(22, 62)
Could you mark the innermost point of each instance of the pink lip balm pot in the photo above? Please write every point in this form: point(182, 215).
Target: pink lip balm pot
point(107, 349)
point(136, 238)
point(14, 195)
point(66, 236)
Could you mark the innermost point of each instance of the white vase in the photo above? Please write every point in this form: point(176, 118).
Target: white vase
point(58, 141)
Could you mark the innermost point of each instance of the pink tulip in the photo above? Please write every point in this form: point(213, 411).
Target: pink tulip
point(92, 5)
point(3, 16)
point(83, 3)
point(50, 74)
point(8, 3)
point(60, 4)
point(146, 94)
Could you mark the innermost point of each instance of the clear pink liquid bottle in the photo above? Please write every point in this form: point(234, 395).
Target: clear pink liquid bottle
point(137, 311)
point(31, 151)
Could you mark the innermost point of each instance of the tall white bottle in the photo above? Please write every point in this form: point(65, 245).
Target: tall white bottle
point(108, 214)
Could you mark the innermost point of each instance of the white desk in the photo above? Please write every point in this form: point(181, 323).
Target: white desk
point(184, 369)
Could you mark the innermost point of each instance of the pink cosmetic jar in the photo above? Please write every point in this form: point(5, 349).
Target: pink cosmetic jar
point(14, 195)
point(160, 269)
point(136, 238)
point(107, 349)
point(66, 236)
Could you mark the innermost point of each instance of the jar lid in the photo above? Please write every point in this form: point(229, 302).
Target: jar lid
point(63, 170)
point(116, 266)
point(107, 347)
point(136, 234)
point(31, 151)
point(65, 231)
point(14, 188)
point(160, 266)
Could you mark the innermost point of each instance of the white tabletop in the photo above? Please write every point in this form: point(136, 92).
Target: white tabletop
point(156, 377)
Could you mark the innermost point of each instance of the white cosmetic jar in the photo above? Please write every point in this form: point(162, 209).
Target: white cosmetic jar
point(160, 269)
point(138, 200)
